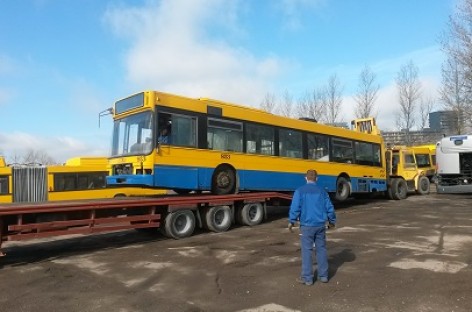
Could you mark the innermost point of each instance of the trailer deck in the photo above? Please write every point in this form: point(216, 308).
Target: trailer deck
point(37, 220)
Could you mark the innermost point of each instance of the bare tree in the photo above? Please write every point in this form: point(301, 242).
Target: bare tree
point(366, 96)
point(426, 107)
point(286, 105)
point(458, 40)
point(37, 157)
point(456, 89)
point(334, 99)
point(409, 92)
point(269, 103)
point(312, 105)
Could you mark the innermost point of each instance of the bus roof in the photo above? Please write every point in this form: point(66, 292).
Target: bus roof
point(87, 161)
point(236, 111)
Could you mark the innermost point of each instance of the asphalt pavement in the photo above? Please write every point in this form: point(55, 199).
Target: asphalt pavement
point(409, 255)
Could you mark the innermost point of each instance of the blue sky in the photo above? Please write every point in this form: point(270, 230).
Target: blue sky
point(64, 61)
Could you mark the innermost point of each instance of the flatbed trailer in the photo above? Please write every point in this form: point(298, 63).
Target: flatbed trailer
point(176, 216)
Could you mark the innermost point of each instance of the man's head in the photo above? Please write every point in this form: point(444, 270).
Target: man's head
point(311, 175)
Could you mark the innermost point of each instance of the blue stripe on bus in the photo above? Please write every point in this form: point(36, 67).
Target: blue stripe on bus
point(194, 178)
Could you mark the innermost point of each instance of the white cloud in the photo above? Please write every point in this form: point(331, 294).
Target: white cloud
point(291, 11)
point(172, 49)
point(60, 148)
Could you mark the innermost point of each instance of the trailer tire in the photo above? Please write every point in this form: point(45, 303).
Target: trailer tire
point(423, 185)
point(179, 224)
point(218, 218)
point(251, 214)
point(399, 189)
point(343, 189)
point(223, 181)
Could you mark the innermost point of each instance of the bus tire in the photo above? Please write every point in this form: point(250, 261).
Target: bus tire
point(218, 218)
point(343, 189)
point(423, 185)
point(251, 214)
point(223, 181)
point(399, 189)
point(179, 224)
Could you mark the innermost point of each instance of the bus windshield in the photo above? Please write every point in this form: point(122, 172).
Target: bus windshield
point(132, 135)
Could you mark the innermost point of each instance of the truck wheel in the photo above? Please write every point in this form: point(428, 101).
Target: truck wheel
point(390, 191)
point(343, 189)
point(218, 218)
point(423, 185)
point(399, 189)
point(223, 181)
point(179, 224)
point(251, 214)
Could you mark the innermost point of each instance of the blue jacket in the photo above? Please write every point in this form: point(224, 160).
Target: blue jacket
point(311, 206)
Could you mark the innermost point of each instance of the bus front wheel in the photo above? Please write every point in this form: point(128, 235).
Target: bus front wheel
point(223, 181)
point(343, 189)
point(179, 224)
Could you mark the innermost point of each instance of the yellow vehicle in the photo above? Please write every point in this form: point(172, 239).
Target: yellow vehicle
point(404, 174)
point(5, 174)
point(225, 148)
point(426, 159)
point(78, 178)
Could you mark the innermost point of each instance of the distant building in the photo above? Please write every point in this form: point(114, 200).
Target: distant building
point(444, 122)
point(340, 124)
point(417, 137)
point(441, 123)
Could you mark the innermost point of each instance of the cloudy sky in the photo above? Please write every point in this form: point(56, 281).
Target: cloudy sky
point(62, 62)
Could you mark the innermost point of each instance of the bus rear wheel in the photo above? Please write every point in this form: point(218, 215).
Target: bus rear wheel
point(179, 224)
point(343, 189)
point(223, 181)
point(218, 218)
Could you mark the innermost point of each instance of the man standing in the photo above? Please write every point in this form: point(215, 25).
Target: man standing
point(312, 207)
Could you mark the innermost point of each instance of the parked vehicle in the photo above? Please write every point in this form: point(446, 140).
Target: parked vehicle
point(454, 164)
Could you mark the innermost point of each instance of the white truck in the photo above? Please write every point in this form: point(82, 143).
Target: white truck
point(454, 164)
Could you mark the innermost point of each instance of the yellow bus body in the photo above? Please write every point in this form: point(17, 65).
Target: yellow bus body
point(77, 176)
point(197, 164)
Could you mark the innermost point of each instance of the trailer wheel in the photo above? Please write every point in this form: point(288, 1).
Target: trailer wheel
point(179, 224)
point(423, 186)
point(399, 189)
point(343, 189)
point(218, 218)
point(251, 214)
point(223, 181)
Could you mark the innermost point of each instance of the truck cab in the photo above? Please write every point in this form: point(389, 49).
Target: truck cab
point(404, 176)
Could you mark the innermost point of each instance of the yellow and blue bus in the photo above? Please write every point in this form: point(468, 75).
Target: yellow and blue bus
point(79, 178)
point(226, 148)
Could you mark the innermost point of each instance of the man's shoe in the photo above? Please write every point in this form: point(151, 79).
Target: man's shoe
point(301, 281)
point(323, 279)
